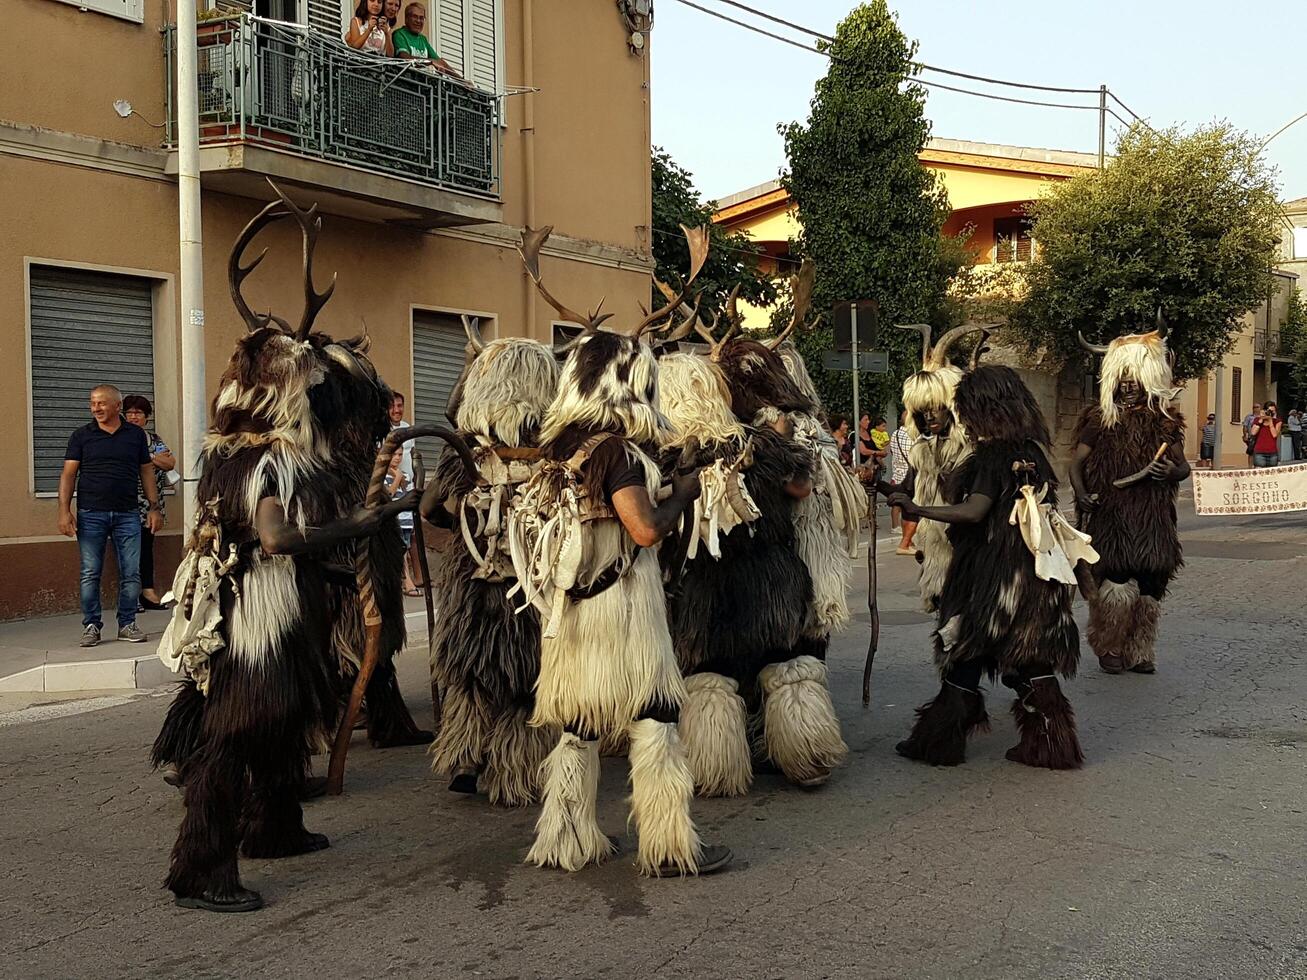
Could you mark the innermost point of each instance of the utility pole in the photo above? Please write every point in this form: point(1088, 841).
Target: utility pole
point(1219, 409)
point(1102, 125)
point(191, 264)
point(857, 369)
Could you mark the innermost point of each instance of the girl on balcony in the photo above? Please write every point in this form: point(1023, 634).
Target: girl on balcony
point(369, 30)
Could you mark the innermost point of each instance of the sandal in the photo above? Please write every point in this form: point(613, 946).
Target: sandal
point(413, 593)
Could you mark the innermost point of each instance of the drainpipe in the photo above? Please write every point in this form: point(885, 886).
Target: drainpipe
point(528, 151)
point(191, 265)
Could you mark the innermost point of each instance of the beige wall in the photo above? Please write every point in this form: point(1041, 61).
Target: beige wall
point(591, 181)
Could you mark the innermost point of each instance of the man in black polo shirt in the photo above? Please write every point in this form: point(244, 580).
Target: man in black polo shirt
point(107, 461)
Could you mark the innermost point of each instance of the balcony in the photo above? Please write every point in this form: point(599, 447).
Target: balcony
point(1277, 347)
point(376, 139)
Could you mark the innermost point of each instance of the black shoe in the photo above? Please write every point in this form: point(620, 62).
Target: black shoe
point(145, 603)
point(239, 900)
point(714, 858)
point(464, 782)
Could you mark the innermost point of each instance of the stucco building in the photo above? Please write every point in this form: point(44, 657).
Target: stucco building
point(423, 184)
point(989, 186)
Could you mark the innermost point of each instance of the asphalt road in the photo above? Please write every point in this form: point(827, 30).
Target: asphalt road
point(1177, 852)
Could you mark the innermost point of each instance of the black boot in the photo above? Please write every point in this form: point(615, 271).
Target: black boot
point(1047, 726)
point(943, 723)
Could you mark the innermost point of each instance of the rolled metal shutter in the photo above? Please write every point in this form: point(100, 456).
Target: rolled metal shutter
point(88, 328)
point(438, 342)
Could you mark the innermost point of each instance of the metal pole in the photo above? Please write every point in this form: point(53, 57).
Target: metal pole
point(857, 416)
point(1268, 365)
point(1102, 125)
point(191, 265)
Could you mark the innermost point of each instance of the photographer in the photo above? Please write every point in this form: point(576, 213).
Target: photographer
point(369, 30)
point(1264, 436)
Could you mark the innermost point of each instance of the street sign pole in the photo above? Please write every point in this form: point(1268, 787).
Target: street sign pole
point(857, 416)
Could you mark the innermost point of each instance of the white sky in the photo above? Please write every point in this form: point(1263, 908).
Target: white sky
point(719, 91)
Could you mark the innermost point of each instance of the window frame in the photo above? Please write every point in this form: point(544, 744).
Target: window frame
point(132, 11)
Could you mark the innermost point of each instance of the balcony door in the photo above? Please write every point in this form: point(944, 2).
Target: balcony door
point(291, 11)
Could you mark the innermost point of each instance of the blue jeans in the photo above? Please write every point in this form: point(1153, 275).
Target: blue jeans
point(1266, 459)
point(94, 529)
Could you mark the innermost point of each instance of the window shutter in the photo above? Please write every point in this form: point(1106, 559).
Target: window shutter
point(1236, 395)
point(450, 36)
point(132, 10)
point(438, 342)
point(330, 16)
point(88, 328)
point(483, 35)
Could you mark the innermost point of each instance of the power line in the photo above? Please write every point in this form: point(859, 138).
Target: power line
point(756, 29)
point(919, 64)
point(1001, 98)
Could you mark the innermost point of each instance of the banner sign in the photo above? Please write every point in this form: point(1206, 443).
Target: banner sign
point(1265, 490)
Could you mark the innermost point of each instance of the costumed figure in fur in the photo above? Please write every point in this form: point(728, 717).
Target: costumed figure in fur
point(800, 732)
point(939, 446)
point(1128, 463)
point(1005, 609)
point(740, 603)
point(484, 657)
point(258, 619)
point(583, 534)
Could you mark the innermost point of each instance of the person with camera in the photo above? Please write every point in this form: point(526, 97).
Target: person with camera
point(1264, 436)
point(369, 31)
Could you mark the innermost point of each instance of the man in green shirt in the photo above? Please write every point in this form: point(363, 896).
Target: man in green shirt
point(410, 42)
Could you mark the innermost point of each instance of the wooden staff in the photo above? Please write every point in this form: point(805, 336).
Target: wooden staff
point(873, 600)
point(363, 576)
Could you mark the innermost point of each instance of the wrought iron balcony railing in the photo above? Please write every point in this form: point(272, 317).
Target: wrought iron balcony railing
point(1259, 344)
point(297, 90)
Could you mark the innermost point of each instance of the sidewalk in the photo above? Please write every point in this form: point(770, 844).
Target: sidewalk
point(45, 655)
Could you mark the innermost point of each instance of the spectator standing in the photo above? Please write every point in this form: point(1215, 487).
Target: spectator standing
point(401, 484)
point(839, 430)
point(880, 438)
point(1265, 441)
point(1247, 429)
point(410, 42)
point(900, 444)
point(865, 446)
point(137, 410)
point(1293, 425)
point(1207, 451)
point(390, 11)
point(368, 29)
point(107, 460)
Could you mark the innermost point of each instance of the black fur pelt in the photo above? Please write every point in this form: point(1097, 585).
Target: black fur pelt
point(480, 645)
point(261, 722)
point(182, 727)
point(736, 614)
point(994, 608)
point(1134, 529)
point(758, 379)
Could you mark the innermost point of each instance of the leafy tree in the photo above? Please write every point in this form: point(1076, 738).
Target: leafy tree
point(1293, 339)
point(732, 258)
point(1184, 221)
point(871, 214)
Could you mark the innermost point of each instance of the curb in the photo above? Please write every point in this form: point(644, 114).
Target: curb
point(123, 673)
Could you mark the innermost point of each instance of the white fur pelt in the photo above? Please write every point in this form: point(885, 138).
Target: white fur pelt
point(567, 832)
point(622, 398)
point(661, 790)
point(1142, 357)
point(1123, 622)
point(265, 610)
point(695, 398)
point(801, 731)
point(613, 653)
point(713, 730)
point(507, 390)
point(933, 460)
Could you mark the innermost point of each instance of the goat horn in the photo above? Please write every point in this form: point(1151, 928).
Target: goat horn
point(1097, 349)
point(472, 327)
point(979, 350)
point(939, 352)
point(1162, 328)
point(924, 330)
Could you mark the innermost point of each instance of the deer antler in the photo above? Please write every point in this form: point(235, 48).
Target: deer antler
point(801, 291)
point(697, 240)
point(237, 273)
point(924, 330)
point(717, 346)
point(689, 316)
point(472, 327)
point(529, 249)
point(310, 226)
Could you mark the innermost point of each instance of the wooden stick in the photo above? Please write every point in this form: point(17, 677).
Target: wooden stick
point(363, 576)
point(873, 600)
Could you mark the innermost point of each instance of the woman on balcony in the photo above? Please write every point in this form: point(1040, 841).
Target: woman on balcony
point(369, 31)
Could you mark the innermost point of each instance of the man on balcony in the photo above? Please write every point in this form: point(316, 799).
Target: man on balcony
point(411, 43)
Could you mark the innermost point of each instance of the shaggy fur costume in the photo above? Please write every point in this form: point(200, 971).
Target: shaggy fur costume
point(484, 657)
point(611, 666)
point(718, 623)
point(995, 615)
point(933, 461)
point(801, 731)
point(293, 420)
